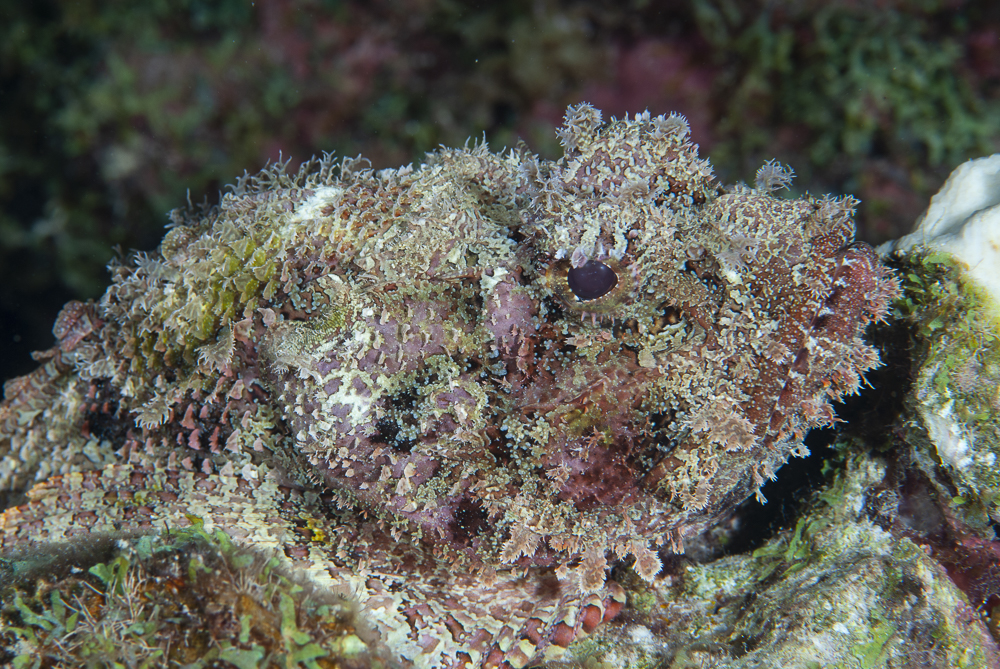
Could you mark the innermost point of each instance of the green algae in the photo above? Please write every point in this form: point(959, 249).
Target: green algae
point(181, 598)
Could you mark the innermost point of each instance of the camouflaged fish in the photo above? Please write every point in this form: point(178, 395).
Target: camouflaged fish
point(457, 392)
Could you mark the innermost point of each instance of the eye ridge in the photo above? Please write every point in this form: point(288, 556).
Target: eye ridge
point(592, 280)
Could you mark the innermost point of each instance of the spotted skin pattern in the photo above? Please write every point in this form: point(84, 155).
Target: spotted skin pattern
point(456, 393)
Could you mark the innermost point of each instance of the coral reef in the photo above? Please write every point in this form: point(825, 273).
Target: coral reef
point(455, 392)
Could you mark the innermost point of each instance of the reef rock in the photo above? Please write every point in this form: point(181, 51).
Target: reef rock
point(455, 392)
point(952, 280)
point(842, 588)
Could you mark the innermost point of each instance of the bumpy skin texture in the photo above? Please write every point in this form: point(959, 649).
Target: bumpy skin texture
point(411, 346)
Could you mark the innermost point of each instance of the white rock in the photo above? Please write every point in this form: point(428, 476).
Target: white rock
point(963, 219)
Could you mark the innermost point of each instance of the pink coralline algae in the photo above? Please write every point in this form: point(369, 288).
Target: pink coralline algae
point(458, 391)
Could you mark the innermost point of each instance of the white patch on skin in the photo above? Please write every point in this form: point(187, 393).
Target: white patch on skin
point(312, 207)
point(488, 283)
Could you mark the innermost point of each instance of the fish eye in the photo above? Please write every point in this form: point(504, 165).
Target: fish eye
point(591, 281)
point(599, 288)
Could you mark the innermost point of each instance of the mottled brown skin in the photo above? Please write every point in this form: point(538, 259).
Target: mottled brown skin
point(502, 371)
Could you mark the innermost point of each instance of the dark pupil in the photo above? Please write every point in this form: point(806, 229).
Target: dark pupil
point(593, 280)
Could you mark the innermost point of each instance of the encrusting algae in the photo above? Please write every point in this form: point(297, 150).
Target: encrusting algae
point(455, 392)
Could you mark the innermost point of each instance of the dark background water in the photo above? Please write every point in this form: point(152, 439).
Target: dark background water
point(112, 113)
